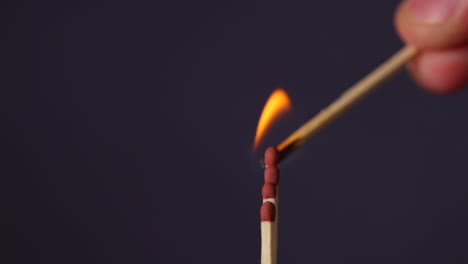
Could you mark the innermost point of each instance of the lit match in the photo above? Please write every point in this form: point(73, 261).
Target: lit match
point(279, 103)
point(346, 100)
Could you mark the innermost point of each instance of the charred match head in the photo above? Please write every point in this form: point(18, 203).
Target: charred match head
point(288, 148)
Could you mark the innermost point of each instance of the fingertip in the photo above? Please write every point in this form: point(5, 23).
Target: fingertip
point(424, 33)
point(441, 72)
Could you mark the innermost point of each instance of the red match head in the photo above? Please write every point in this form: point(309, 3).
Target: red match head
point(268, 191)
point(271, 156)
point(267, 212)
point(271, 175)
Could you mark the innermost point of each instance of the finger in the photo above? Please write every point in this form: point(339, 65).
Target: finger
point(433, 24)
point(441, 71)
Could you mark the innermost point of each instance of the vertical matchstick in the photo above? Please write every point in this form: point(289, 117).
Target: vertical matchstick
point(269, 208)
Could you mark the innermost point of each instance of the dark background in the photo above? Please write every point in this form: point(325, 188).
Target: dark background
point(134, 124)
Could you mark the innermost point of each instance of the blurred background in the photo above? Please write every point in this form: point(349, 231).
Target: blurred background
point(134, 123)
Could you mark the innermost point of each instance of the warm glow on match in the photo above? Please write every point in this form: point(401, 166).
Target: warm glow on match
point(277, 105)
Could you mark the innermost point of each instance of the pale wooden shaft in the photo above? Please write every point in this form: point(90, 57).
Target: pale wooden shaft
point(270, 236)
point(275, 229)
point(268, 253)
point(350, 97)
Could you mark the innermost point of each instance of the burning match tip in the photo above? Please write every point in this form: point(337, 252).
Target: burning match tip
point(279, 153)
point(289, 148)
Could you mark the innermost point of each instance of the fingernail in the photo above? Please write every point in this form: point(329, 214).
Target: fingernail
point(432, 11)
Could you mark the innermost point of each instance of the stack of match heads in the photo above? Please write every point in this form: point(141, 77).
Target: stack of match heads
point(269, 208)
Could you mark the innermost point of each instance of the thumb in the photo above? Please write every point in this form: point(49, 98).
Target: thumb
point(433, 24)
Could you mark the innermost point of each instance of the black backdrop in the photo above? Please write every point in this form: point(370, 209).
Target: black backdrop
point(134, 122)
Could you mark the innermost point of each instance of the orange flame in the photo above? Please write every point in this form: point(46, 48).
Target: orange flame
point(277, 105)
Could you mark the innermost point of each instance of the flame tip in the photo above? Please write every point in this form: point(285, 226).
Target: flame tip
point(277, 104)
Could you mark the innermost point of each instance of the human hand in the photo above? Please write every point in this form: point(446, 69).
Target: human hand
point(439, 29)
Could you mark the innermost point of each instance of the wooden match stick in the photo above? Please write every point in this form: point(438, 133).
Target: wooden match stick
point(269, 208)
point(268, 229)
point(346, 100)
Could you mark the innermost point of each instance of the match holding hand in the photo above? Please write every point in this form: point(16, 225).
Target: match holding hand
point(439, 30)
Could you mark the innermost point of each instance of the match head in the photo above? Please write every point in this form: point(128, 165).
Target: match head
point(268, 191)
point(267, 212)
point(271, 175)
point(271, 156)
